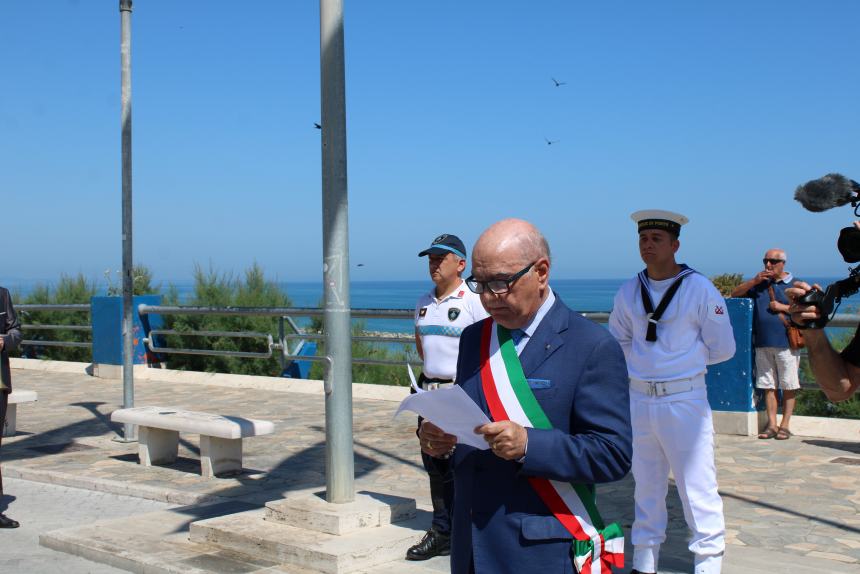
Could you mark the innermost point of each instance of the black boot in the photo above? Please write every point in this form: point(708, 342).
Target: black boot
point(433, 544)
point(6, 522)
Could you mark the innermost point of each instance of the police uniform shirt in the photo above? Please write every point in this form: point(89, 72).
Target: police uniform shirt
point(439, 324)
point(694, 331)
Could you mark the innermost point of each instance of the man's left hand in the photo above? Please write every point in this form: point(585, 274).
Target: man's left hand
point(2, 342)
point(507, 439)
point(778, 307)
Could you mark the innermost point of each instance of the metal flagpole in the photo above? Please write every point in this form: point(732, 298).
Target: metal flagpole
point(340, 469)
point(127, 266)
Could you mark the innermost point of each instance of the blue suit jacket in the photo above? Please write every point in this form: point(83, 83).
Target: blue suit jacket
point(578, 374)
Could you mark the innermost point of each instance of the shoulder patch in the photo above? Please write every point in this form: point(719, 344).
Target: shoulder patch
point(422, 312)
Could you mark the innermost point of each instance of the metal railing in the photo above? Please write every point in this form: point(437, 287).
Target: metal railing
point(285, 317)
point(269, 345)
point(26, 309)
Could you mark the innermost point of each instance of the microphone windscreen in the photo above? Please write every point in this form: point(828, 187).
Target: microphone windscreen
point(832, 190)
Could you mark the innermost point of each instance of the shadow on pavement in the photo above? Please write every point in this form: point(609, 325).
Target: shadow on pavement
point(785, 510)
point(5, 501)
point(853, 447)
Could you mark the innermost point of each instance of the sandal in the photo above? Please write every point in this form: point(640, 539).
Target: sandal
point(783, 434)
point(768, 433)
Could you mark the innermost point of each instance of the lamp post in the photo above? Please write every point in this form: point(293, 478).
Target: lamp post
point(127, 266)
point(340, 467)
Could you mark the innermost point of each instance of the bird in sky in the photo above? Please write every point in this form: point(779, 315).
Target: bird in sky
point(557, 83)
point(549, 141)
point(360, 265)
point(317, 126)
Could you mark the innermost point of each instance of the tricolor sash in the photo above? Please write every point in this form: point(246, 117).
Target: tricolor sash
point(596, 547)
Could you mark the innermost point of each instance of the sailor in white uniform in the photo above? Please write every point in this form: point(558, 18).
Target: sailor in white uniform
point(672, 322)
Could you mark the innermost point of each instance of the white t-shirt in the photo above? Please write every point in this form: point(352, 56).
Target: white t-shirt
point(694, 331)
point(439, 324)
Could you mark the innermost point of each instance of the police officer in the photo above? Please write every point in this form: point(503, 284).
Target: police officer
point(440, 317)
point(672, 322)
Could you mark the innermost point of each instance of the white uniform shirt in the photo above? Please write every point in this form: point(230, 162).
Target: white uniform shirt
point(439, 324)
point(694, 331)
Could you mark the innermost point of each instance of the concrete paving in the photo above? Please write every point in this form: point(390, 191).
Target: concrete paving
point(41, 507)
point(789, 505)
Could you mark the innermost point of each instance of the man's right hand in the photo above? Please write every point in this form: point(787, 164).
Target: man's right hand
point(764, 276)
point(434, 441)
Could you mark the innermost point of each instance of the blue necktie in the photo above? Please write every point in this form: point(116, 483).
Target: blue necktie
point(517, 336)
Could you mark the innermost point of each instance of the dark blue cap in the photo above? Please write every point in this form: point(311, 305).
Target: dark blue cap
point(445, 244)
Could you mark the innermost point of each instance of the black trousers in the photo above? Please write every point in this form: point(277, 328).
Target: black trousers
point(441, 491)
point(4, 403)
point(441, 483)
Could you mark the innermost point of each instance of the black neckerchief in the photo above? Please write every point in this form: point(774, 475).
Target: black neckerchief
point(654, 316)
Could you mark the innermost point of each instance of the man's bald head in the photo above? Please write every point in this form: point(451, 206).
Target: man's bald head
point(774, 263)
point(504, 250)
point(514, 237)
point(776, 253)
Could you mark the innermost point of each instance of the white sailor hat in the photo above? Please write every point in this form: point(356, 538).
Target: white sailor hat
point(659, 219)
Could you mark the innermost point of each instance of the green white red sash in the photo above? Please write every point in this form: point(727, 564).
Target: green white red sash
point(596, 547)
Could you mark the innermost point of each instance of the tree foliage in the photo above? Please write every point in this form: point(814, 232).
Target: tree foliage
point(726, 282)
point(69, 290)
point(214, 289)
point(373, 374)
point(141, 280)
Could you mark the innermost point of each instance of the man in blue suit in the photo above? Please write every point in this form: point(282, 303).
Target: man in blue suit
point(575, 372)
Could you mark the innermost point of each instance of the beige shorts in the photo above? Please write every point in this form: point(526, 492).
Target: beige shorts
point(776, 367)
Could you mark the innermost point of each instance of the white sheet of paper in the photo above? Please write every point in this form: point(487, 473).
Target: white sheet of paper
point(451, 410)
point(413, 383)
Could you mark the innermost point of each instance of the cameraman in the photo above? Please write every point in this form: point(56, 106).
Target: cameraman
point(838, 374)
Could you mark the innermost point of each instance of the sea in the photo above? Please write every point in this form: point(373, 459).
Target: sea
point(579, 294)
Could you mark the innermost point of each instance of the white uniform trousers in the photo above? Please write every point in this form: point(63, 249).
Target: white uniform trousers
point(675, 432)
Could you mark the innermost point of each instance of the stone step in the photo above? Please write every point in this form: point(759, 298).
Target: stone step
point(247, 533)
point(368, 510)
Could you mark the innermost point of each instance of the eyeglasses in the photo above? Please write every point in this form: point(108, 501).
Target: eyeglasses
point(772, 261)
point(496, 286)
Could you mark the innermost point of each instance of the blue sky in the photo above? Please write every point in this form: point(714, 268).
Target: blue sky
point(717, 110)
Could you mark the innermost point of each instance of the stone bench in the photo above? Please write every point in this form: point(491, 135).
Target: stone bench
point(15, 398)
point(220, 436)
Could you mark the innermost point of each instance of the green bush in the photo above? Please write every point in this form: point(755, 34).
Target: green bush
point(373, 374)
point(141, 280)
point(213, 289)
point(727, 282)
point(69, 290)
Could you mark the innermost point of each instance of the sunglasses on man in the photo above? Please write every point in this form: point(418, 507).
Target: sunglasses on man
point(767, 260)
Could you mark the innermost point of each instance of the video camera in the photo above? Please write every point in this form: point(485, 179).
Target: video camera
point(833, 190)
